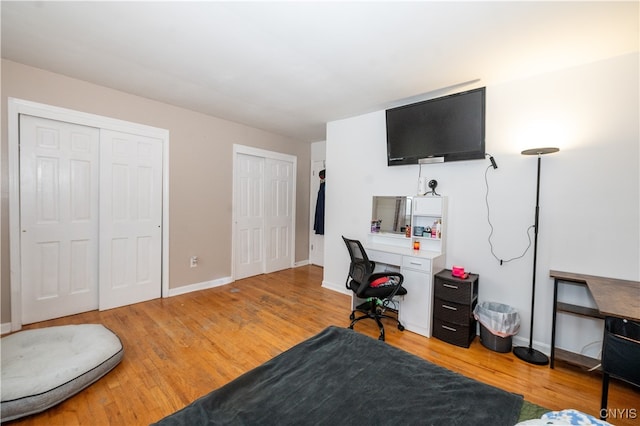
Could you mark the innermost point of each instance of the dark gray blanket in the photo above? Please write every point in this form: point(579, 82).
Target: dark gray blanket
point(340, 377)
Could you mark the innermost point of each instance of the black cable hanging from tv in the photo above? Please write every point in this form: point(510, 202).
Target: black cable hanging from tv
point(494, 166)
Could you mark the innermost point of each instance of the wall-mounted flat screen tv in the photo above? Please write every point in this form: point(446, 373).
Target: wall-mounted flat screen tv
point(449, 128)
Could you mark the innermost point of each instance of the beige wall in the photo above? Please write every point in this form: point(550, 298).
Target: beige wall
point(200, 170)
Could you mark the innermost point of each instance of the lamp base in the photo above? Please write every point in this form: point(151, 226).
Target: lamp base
point(530, 355)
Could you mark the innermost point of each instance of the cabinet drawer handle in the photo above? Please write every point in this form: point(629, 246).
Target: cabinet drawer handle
point(455, 287)
point(416, 263)
point(451, 308)
point(449, 328)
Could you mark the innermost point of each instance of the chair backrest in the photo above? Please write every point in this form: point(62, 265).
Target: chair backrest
point(360, 267)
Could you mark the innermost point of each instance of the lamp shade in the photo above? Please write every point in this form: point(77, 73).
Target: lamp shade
point(539, 151)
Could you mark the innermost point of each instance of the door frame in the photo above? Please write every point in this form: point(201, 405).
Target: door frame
point(20, 106)
point(257, 152)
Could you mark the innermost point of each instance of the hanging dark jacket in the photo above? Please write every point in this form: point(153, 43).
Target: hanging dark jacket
point(318, 224)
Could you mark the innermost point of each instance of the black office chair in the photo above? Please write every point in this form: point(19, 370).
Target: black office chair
point(377, 288)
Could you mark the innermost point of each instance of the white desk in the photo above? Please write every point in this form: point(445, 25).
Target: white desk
point(417, 267)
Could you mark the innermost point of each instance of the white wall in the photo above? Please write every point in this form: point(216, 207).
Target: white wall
point(590, 190)
point(319, 151)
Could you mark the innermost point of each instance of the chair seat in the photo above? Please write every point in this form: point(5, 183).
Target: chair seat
point(382, 292)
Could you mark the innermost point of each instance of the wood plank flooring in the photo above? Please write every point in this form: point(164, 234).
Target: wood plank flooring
point(180, 348)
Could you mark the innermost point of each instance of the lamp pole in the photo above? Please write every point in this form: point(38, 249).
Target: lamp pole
point(529, 354)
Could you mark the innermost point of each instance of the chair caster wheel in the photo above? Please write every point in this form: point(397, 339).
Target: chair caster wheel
point(350, 327)
point(351, 317)
point(381, 338)
point(400, 327)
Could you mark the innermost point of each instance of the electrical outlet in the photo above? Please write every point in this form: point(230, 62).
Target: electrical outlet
point(193, 261)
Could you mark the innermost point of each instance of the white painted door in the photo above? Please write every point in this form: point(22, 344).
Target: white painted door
point(249, 215)
point(59, 166)
point(278, 214)
point(130, 219)
point(264, 211)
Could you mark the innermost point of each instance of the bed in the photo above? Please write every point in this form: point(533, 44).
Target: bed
point(342, 377)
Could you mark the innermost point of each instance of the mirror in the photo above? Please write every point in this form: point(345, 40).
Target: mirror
point(390, 214)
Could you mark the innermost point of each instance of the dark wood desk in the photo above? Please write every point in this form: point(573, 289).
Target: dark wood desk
point(613, 297)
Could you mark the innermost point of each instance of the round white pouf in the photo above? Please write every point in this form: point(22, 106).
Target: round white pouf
point(45, 366)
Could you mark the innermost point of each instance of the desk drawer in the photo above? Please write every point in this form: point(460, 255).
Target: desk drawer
point(452, 312)
point(416, 263)
point(384, 257)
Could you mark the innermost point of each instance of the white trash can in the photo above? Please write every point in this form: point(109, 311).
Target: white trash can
point(498, 322)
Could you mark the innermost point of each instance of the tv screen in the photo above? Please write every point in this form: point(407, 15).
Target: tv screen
point(450, 128)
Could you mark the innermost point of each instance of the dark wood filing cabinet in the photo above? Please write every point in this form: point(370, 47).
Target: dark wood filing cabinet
point(453, 302)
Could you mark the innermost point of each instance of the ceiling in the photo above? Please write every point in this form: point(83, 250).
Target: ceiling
point(290, 67)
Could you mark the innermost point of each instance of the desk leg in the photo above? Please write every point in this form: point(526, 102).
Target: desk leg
point(553, 324)
point(605, 394)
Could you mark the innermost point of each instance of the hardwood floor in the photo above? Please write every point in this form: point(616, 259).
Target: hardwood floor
point(180, 348)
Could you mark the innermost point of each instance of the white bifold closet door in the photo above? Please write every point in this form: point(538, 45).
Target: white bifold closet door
point(90, 218)
point(264, 215)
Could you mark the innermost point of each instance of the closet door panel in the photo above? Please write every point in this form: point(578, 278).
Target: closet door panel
point(278, 219)
point(249, 257)
point(131, 219)
point(59, 178)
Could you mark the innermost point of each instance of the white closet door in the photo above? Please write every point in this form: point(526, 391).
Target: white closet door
point(130, 219)
point(58, 218)
point(249, 213)
point(278, 218)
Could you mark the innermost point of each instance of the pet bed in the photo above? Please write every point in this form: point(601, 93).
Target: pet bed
point(43, 367)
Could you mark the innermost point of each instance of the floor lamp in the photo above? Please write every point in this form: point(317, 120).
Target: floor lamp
point(525, 353)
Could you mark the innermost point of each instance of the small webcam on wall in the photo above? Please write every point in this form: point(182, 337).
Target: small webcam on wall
point(432, 185)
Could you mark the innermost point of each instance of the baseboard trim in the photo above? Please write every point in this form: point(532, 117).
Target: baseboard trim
point(516, 340)
point(199, 286)
point(215, 283)
point(334, 287)
point(524, 341)
point(5, 328)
